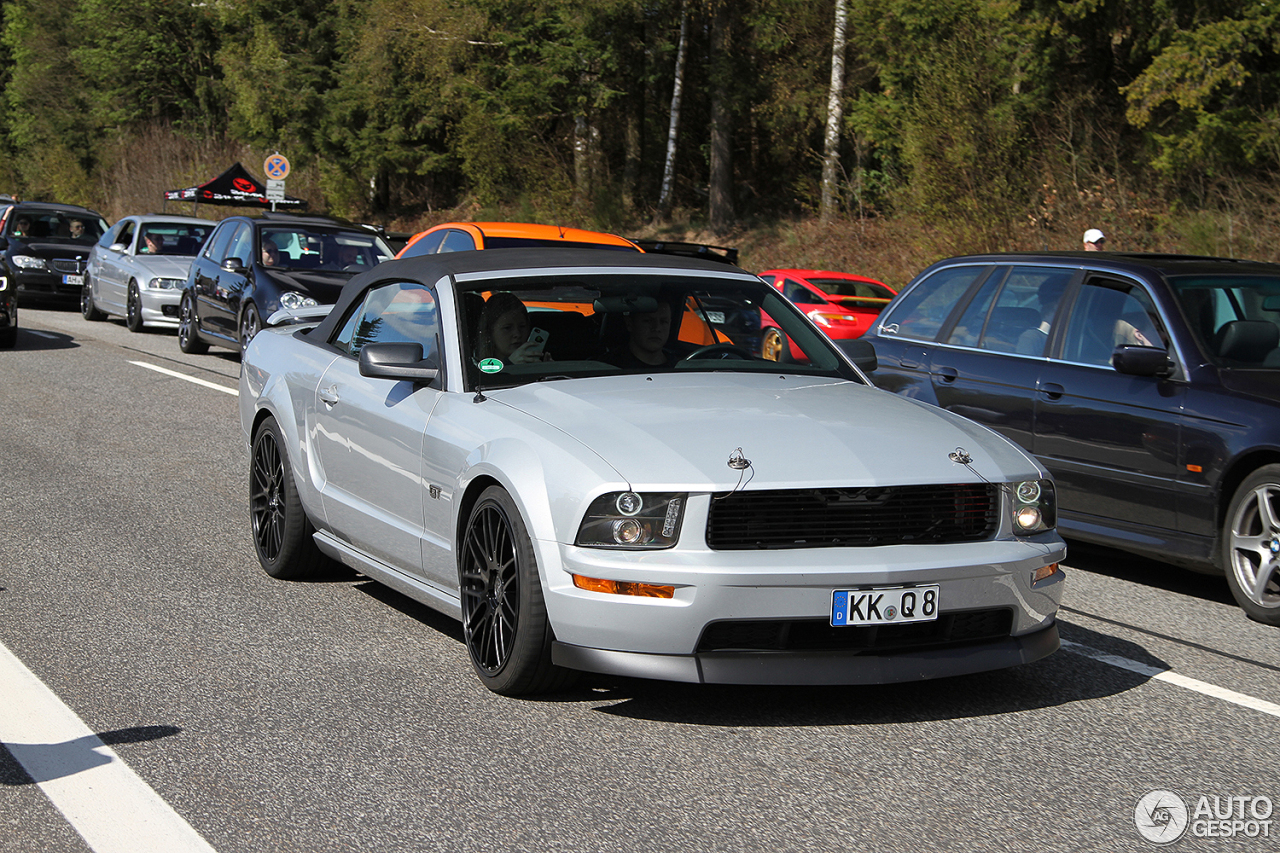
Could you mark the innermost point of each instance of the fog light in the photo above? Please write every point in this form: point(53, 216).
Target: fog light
point(1028, 517)
point(1044, 572)
point(644, 590)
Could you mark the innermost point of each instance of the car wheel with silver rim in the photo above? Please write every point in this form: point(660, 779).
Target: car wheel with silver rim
point(250, 325)
point(188, 338)
point(1251, 545)
point(133, 308)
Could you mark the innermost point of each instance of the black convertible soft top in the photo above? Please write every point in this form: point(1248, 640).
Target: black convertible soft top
point(429, 269)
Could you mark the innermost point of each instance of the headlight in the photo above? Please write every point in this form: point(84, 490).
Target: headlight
point(1035, 506)
point(27, 262)
point(293, 299)
point(166, 283)
point(632, 520)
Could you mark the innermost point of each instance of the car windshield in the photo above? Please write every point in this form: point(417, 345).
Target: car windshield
point(1235, 318)
point(334, 249)
point(55, 226)
point(172, 238)
point(535, 328)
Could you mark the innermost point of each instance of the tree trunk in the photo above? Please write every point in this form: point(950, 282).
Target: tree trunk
point(721, 187)
point(835, 116)
point(669, 171)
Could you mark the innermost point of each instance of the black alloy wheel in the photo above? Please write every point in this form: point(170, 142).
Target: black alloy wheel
point(282, 533)
point(504, 617)
point(188, 337)
point(133, 308)
point(87, 309)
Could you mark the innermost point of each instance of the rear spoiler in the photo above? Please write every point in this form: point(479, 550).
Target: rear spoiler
point(705, 251)
point(297, 316)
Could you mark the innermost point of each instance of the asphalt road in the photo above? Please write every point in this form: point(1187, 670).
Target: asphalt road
point(340, 716)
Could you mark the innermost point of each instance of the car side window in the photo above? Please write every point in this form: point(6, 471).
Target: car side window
point(428, 245)
point(126, 234)
point(1107, 314)
point(393, 313)
point(242, 245)
point(216, 249)
point(458, 241)
point(1019, 317)
point(927, 306)
point(801, 295)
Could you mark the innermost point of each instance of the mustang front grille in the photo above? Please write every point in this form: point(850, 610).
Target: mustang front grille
point(853, 517)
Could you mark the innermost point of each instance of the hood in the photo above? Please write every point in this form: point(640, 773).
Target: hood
point(1262, 383)
point(49, 249)
point(323, 285)
point(164, 266)
point(679, 431)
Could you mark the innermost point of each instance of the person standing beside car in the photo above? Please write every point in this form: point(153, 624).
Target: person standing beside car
point(1093, 240)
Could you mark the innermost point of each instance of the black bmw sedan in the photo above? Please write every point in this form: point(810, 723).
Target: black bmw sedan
point(44, 248)
point(252, 266)
point(1149, 385)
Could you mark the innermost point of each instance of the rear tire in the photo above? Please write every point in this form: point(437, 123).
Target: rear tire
point(282, 533)
point(188, 336)
point(1251, 545)
point(504, 617)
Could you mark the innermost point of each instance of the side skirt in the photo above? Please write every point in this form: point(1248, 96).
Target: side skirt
point(447, 602)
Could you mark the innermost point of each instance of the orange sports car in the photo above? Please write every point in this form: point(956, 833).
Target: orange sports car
point(468, 236)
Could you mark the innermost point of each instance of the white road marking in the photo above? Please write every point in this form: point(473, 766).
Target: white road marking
point(235, 392)
point(1170, 677)
point(99, 795)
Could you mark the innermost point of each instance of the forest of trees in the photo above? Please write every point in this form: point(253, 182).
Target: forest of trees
point(967, 124)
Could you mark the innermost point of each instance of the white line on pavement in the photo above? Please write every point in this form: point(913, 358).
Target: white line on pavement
point(1170, 677)
point(235, 392)
point(99, 795)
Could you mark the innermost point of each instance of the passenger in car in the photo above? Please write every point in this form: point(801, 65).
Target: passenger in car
point(647, 336)
point(22, 227)
point(1048, 294)
point(504, 331)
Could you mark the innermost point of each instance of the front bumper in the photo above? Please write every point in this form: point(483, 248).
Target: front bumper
point(160, 307)
point(718, 626)
point(50, 286)
point(814, 667)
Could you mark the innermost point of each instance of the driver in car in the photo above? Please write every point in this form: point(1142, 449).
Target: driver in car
point(647, 336)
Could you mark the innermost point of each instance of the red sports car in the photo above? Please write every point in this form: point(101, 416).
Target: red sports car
point(842, 304)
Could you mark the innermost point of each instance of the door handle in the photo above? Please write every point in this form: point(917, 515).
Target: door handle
point(1052, 390)
point(328, 396)
point(948, 374)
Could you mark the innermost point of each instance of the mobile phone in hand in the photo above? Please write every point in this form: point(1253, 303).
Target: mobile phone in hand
point(537, 341)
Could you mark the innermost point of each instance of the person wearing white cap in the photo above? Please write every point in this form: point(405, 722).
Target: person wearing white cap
point(1093, 239)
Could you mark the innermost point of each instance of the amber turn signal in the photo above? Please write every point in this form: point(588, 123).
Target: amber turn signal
point(644, 590)
point(1044, 572)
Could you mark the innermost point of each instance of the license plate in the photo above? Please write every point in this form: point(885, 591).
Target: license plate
point(73, 279)
point(888, 606)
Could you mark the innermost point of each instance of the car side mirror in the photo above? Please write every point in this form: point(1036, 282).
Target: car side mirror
point(861, 353)
point(1142, 361)
point(233, 265)
point(118, 247)
point(396, 361)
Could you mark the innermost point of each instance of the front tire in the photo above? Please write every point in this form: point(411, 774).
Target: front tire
point(282, 533)
point(88, 310)
point(1251, 545)
point(188, 337)
point(133, 308)
point(504, 617)
point(250, 325)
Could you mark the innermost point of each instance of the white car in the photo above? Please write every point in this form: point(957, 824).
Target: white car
point(138, 268)
point(579, 454)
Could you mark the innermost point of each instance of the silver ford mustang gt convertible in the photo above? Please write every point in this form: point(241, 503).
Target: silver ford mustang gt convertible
point(582, 455)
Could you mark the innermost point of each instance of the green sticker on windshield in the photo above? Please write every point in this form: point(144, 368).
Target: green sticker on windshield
point(490, 365)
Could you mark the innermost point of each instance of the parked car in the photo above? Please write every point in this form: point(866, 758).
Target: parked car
point(8, 315)
point(713, 517)
point(469, 236)
point(138, 269)
point(842, 304)
point(252, 266)
point(44, 248)
point(1149, 385)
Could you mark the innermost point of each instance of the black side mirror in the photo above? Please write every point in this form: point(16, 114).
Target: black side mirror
point(396, 361)
point(861, 353)
point(1142, 361)
point(234, 265)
